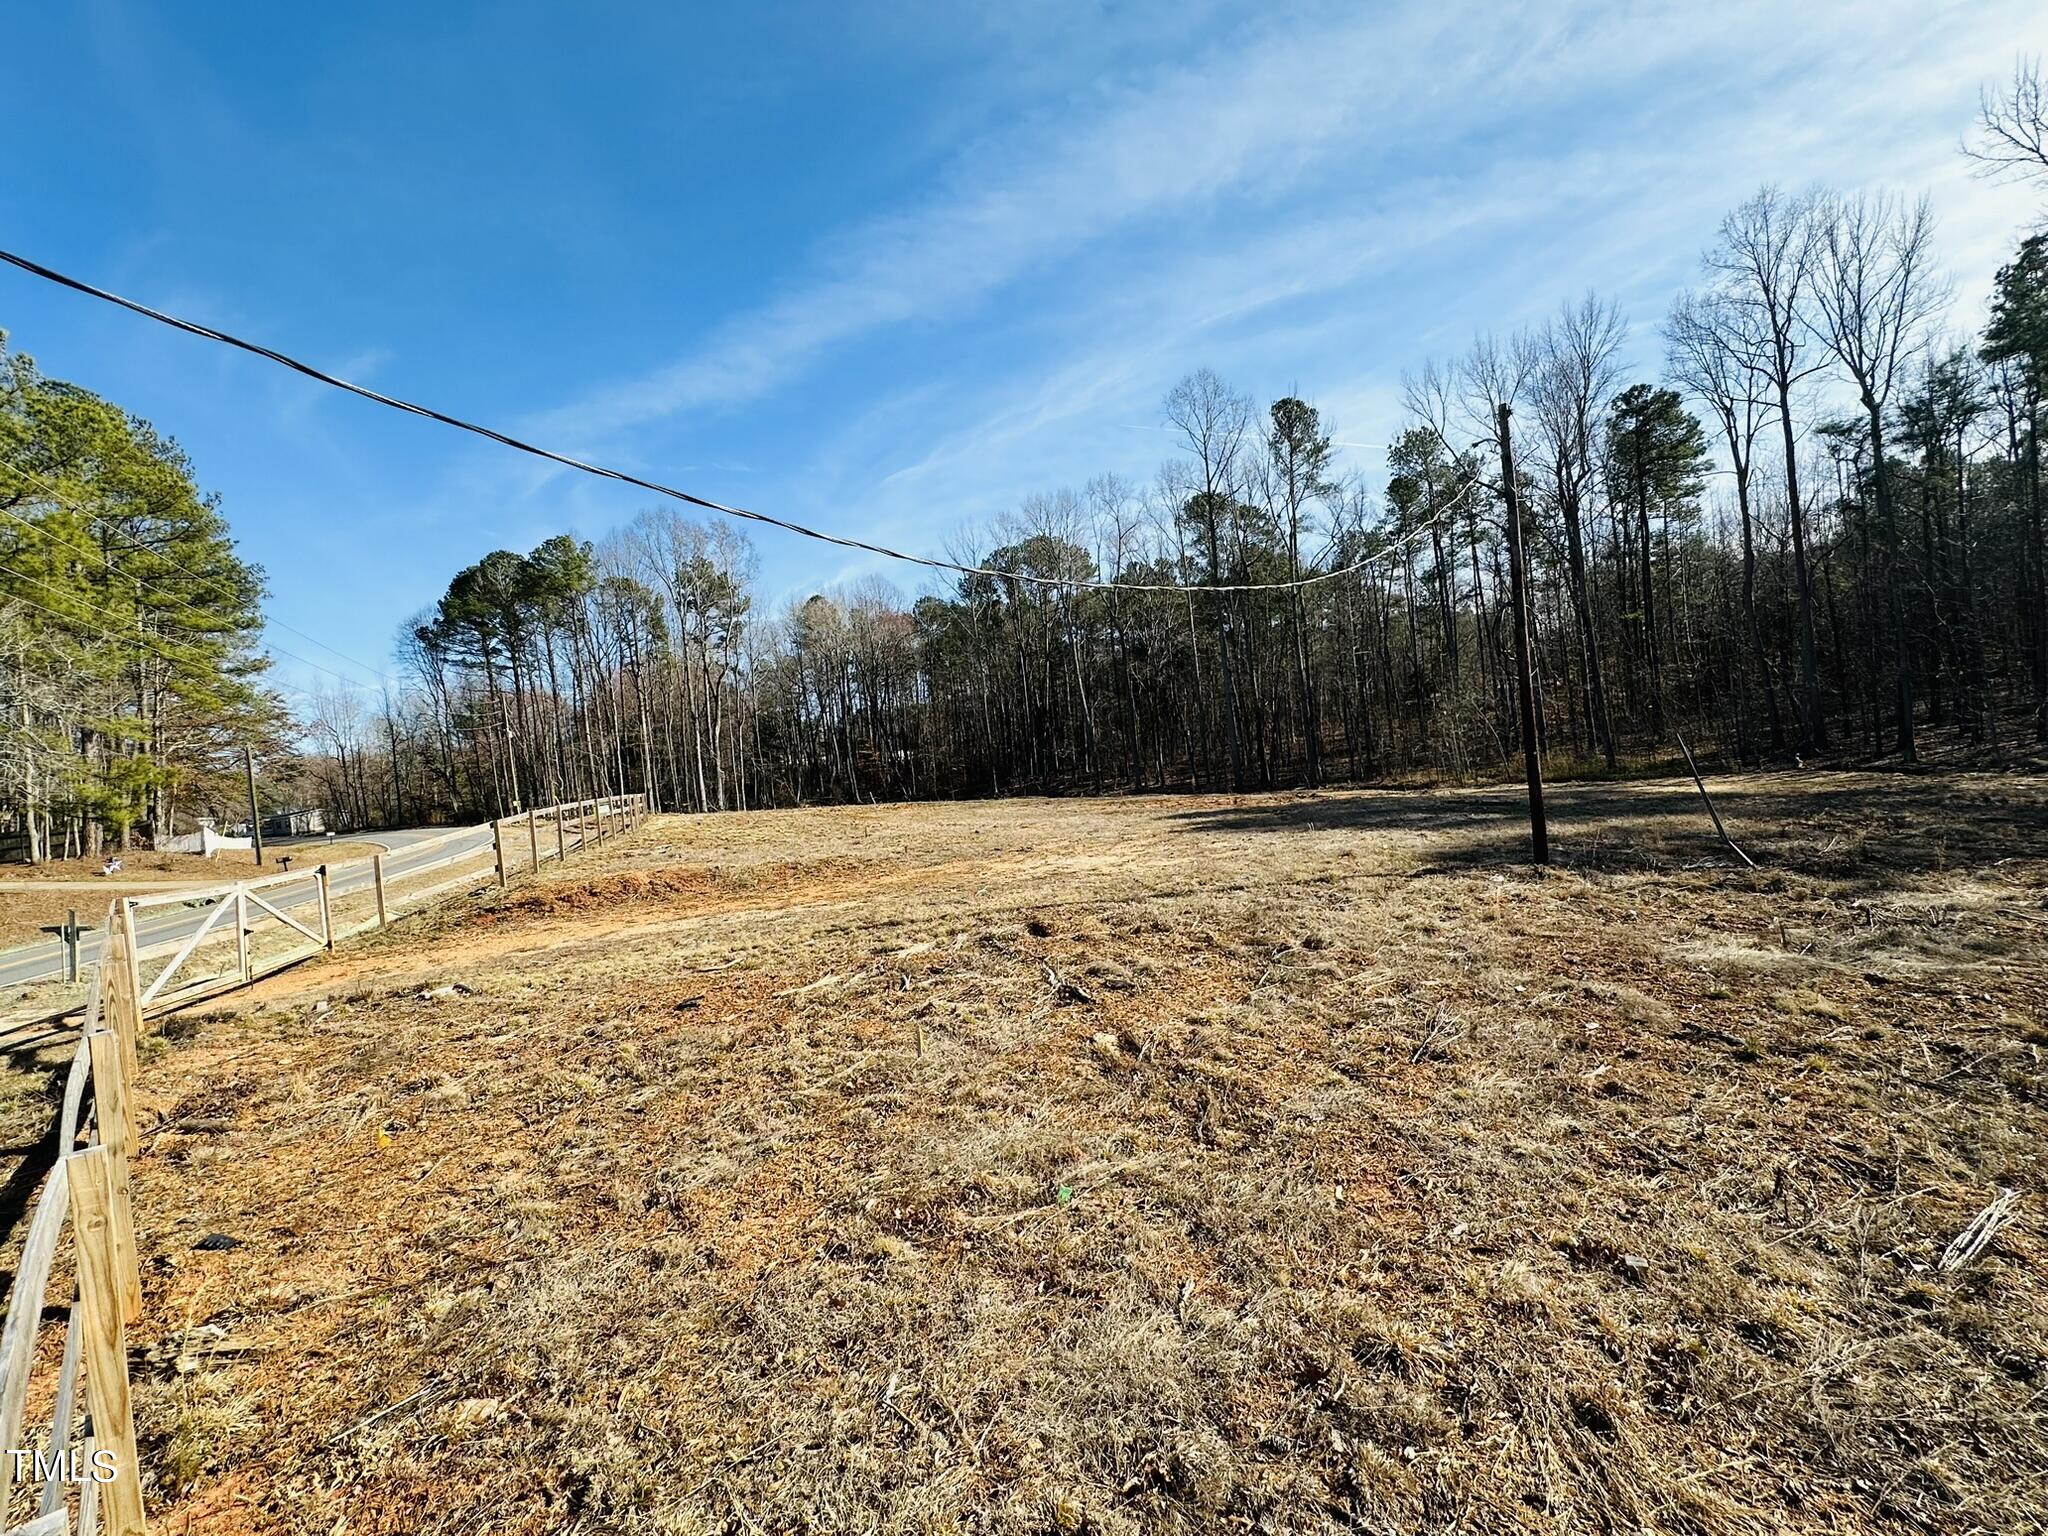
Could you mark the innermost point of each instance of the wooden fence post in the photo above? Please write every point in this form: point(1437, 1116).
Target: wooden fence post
point(116, 1115)
point(377, 879)
point(242, 933)
point(326, 913)
point(134, 955)
point(105, 1338)
point(561, 838)
point(121, 999)
point(533, 837)
point(498, 850)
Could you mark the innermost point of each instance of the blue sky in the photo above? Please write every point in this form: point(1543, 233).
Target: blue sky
point(890, 268)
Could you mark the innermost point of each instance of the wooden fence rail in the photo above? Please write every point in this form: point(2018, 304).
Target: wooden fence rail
point(317, 890)
point(81, 1473)
point(88, 1451)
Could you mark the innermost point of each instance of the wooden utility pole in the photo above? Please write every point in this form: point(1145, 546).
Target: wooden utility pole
point(1525, 687)
point(255, 817)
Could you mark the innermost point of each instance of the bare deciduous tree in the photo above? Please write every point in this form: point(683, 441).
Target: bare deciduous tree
point(1576, 378)
point(1716, 349)
point(1874, 291)
point(1212, 421)
point(1765, 259)
point(2012, 126)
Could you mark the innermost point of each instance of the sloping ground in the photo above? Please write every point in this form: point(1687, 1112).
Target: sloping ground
point(1286, 1163)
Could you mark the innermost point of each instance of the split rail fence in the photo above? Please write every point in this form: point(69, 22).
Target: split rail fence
point(79, 1472)
point(196, 951)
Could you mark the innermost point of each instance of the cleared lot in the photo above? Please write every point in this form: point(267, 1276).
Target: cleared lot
point(1283, 1163)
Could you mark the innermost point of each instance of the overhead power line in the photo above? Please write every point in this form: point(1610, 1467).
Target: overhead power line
point(140, 583)
point(604, 472)
point(214, 581)
point(139, 639)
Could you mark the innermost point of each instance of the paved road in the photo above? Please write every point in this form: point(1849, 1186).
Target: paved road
point(171, 924)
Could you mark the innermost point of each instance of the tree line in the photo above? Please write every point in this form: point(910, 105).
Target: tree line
point(1815, 527)
point(1818, 529)
point(131, 677)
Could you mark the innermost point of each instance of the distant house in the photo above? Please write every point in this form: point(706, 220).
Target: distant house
point(295, 824)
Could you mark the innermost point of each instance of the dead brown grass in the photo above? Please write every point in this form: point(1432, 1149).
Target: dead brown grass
point(24, 914)
point(139, 864)
point(1287, 1163)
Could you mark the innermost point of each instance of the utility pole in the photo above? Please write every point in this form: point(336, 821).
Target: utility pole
point(255, 817)
point(141, 696)
point(1525, 689)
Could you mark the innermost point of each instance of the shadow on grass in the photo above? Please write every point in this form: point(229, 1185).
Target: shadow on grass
point(28, 1165)
point(1873, 834)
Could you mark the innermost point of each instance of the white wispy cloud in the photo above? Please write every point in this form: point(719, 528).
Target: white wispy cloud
point(1316, 200)
point(1517, 234)
point(1256, 117)
point(1252, 116)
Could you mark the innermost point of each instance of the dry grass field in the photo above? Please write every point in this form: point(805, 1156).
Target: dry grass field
point(1278, 1164)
